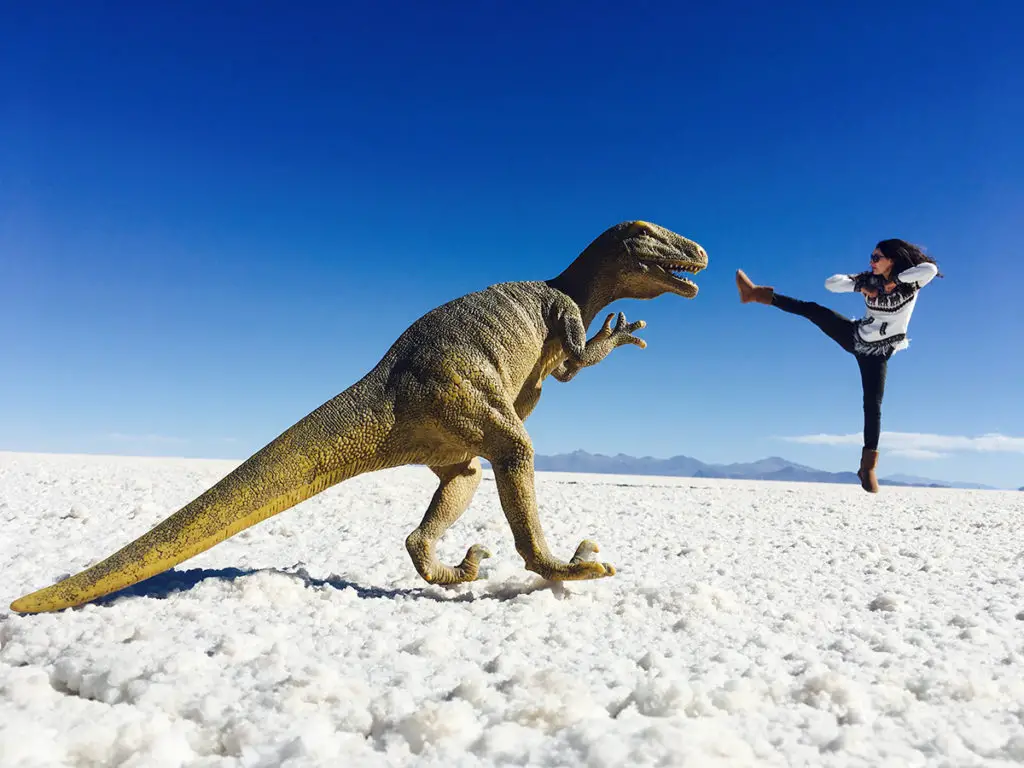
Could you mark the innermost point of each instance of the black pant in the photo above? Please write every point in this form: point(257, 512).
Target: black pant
point(872, 367)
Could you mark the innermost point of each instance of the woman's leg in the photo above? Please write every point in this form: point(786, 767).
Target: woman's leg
point(872, 376)
point(838, 328)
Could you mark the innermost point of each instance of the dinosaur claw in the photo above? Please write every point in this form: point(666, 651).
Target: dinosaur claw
point(581, 567)
point(585, 551)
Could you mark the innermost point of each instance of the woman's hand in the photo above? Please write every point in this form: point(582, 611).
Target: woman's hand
point(890, 287)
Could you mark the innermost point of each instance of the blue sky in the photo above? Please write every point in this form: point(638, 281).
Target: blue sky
point(214, 217)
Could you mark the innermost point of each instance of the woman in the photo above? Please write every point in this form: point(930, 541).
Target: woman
point(898, 271)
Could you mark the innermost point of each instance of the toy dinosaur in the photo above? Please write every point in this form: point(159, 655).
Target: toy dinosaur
point(456, 385)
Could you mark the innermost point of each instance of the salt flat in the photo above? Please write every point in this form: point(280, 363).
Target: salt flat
point(749, 624)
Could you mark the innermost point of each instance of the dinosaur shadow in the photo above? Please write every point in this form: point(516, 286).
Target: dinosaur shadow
point(165, 584)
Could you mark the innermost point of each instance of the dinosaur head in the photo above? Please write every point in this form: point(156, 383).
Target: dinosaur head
point(639, 260)
point(653, 260)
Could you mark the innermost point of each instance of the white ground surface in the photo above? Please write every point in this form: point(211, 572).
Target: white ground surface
point(749, 624)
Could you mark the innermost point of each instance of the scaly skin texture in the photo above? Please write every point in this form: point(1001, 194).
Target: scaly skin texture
point(457, 385)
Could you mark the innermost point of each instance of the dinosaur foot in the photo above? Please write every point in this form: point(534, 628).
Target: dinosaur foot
point(580, 567)
point(437, 573)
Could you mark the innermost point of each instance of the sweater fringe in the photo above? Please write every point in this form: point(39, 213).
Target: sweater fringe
point(879, 348)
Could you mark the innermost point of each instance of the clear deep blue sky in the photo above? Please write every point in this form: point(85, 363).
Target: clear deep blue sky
point(215, 216)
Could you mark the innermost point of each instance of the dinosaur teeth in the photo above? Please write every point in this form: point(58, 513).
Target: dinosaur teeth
point(676, 268)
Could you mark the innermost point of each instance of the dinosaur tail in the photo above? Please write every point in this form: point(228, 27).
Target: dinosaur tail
point(309, 457)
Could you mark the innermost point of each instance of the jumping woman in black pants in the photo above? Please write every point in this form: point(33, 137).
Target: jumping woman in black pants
point(898, 271)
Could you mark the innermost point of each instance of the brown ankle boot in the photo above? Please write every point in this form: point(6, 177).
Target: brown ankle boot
point(866, 473)
point(761, 294)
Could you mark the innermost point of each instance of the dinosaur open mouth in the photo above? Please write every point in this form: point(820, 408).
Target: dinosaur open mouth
point(676, 270)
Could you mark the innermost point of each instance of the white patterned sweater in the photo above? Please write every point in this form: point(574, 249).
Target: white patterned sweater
point(883, 329)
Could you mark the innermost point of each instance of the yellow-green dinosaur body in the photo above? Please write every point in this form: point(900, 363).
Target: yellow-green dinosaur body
point(456, 385)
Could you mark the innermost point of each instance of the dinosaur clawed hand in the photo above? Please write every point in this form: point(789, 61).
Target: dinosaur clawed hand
point(579, 568)
point(622, 333)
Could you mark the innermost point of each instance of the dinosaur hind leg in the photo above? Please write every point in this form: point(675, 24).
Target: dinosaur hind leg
point(511, 455)
point(458, 484)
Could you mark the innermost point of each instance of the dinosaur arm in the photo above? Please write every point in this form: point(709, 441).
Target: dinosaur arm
point(599, 345)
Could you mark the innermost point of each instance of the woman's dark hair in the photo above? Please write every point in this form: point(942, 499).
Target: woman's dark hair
point(903, 255)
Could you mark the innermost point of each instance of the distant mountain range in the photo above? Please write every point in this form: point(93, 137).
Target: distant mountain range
point(773, 468)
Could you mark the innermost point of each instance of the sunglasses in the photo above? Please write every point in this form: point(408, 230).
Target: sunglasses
point(875, 257)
